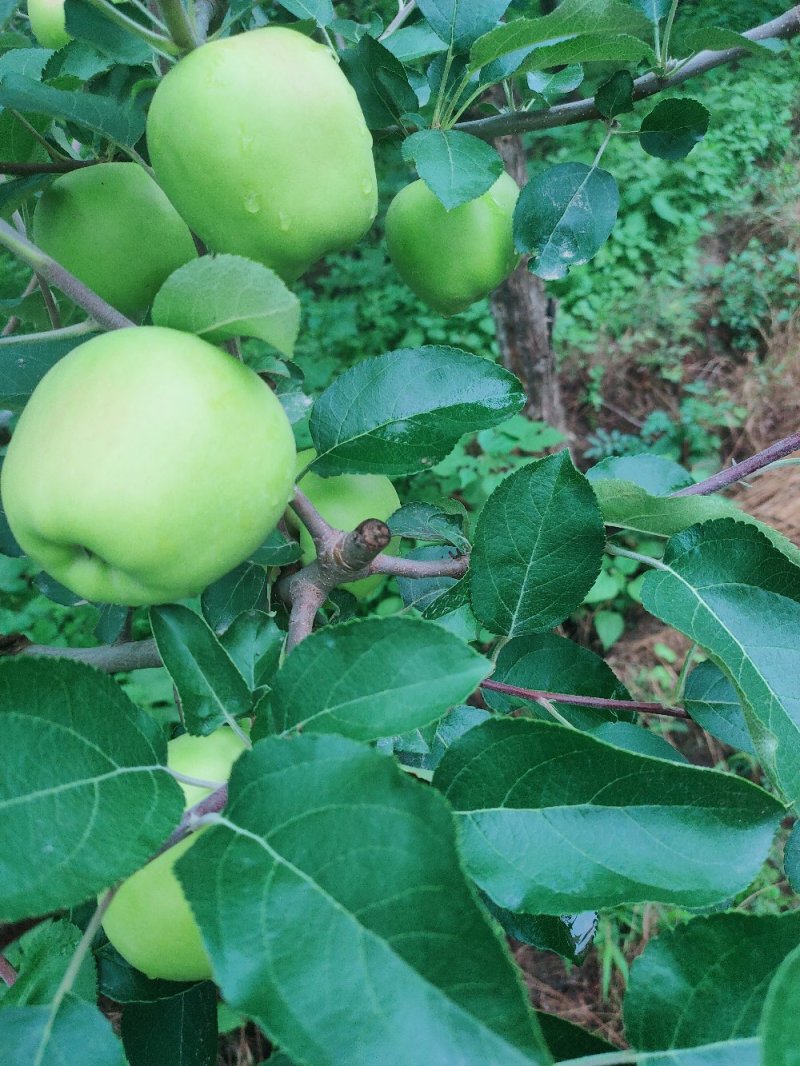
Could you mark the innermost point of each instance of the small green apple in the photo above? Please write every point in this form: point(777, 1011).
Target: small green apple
point(450, 259)
point(344, 501)
point(149, 920)
point(115, 230)
point(260, 143)
point(48, 23)
point(147, 464)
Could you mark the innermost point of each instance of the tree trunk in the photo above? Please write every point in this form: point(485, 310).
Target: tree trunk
point(523, 317)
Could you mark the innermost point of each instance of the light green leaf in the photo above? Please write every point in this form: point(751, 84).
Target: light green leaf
point(374, 678)
point(460, 22)
point(77, 755)
point(331, 861)
point(538, 548)
point(780, 1022)
point(225, 296)
point(711, 700)
point(554, 821)
point(717, 39)
point(41, 957)
point(77, 1033)
point(102, 114)
point(455, 166)
point(654, 473)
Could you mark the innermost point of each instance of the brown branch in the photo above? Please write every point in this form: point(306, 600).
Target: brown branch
point(61, 166)
point(731, 474)
point(585, 701)
point(321, 531)
point(14, 322)
point(786, 25)
point(49, 302)
point(211, 804)
point(397, 566)
point(8, 974)
point(110, 658)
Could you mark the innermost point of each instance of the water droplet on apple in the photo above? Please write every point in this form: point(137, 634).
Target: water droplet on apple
point(366, 187)
point(285, 221)
point(251, 203)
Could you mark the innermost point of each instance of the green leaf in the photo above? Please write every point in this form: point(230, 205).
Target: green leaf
point(255, 643)
point(654, 10)
point(181, 1031)
point(243, 589)
point(654, 473)
point(729, 590)
point(615, 96)
point(426, 521)
point(711, 700)
point(538, 548)
point(638, 739)
point(380, 82)
point(19, 191)
point(569, 935)
point(321, 11)
point(671, 1002)
point(78, 755)
point(24, 361)
point(674, 127)
point(455, 166)
point(124, 984)
point(370, 421)
point(77, 1033)
point(563, 217)
point(551, 663)
point(780, 1022)
point(554, 821)
point(89, 25)
point(224, 296)
point(791, 858)
point(551, 85)
point(41, 957)
point(588, 48)
point(277, 550)
point(331, 861)
point(374, 678)
point(567, 1041)
point(101, 114)
point(410, 43)
point(211, 689)
point(716, 39)
point(570, 19)
point(460, 22)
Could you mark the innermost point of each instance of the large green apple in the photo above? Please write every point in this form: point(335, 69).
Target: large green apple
point(260, 143)
point(147, 464)
point(48, 23)
point(450, 259)
point(113, 228)
point(149, 920)
point(345, 501)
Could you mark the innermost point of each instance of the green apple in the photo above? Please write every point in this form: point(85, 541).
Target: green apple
point(48, 23)
point(345, 501)
point(450, 259)
point(260, 143)
point(115, 230)
point(149, 920)
point(147, 464)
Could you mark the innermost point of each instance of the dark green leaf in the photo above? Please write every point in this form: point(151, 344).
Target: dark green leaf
point(711, 700)
point(380, 82)
point(243, 589)
point(674, 127)
point(373, 678)
point(320, 11)
point(181, 1031)
point(55, 591)
point(90, 25)
point(638, 739)
point(455, 166)
point(25, 361)
point(111, 622)
point(125, 125)
point(77, 1033)
point(780, 1022)
point(656, 474)
point(224, 296)
point(671, 1002)
point(254, 642)
point(717, 39)
point(370, 421)
point(538, 548)
point(615, 96)
point(333, 861)
point(569, 935)
point(426, 521)
point(41, 957)
point(277, 550)
point(555, 83)
point(791, 858)
point(15, 193)
point(211, 689)
point(554, 821)
point(588, 48)
point(96, 757)
point(124, 984)
point(563, 216)
point(552, 663)
point(414, 42)
point(567, 1041)
point(727, 588)
point(460, 22)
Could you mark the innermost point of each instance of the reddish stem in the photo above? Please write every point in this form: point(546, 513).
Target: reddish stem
point(585, 701)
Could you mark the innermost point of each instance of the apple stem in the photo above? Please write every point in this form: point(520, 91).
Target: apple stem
point(180, 28)
point(103, 313)
point(198, 782)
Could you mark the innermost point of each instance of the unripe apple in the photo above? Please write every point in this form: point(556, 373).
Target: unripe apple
point(345, 501)
point(149, 920)
point(115, 230)
point(450, 259)
point(261, 144)
point(147, 464)
point(48, 23)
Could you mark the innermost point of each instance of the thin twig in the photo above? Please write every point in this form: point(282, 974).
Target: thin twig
point(584, 701)
point(14, 322)
point(748, 466)
point(397, 566)
point(49, 302)
point(110, 658)
point(180, 28)
point(8, 974)
point(399, 19)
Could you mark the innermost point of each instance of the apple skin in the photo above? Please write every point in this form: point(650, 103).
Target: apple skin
point(147, 464)
point(149, 920)
point(115, 230)
point(260, 143)
point(450, 259)
point(48, 23)
point(344, 501)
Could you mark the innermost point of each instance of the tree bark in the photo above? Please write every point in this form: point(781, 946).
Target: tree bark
point(523, 317)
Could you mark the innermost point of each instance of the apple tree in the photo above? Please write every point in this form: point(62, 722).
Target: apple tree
point(349, 813)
